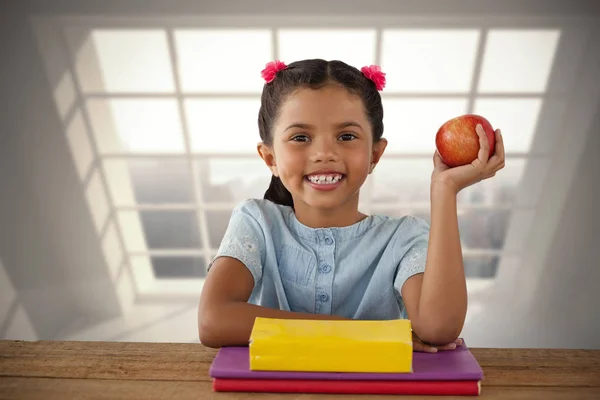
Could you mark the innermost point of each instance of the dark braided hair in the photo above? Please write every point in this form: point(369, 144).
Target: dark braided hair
point(313, 74)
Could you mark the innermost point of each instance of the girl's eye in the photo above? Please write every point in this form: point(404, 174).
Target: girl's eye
point(300, 138)
point(346, 137)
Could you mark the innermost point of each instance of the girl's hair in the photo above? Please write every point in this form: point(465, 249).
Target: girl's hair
point(313, 74)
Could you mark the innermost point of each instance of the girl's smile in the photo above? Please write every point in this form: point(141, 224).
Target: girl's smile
point(325, 180)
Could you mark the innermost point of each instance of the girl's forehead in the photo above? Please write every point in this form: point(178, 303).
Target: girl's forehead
point(329, 102)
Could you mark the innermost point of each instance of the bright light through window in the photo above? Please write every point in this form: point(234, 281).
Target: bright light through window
point(137, 125)
point(223, 61)
point(354, 47)
point(429, 61)
point(134, 61)
point(410, 125)
point(516, 118)
point(518, 61)
point(401, 180)
point(223, 125)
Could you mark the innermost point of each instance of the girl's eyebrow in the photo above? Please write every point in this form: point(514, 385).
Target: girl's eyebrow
point(341, 125)
point(349, 123)
point(299, 125)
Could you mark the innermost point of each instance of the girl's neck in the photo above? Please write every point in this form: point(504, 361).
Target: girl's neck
point(341, 216)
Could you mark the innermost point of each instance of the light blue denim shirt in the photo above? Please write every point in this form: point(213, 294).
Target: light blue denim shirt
point(355, 271)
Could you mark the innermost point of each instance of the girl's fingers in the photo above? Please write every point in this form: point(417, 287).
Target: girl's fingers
point(499, 146)
point(426, 348)
point(484, 146)
point(496, 162)
point(449, 346)
point(436, 159)
point(418, 345)
point(422, 347)
point(438, 163)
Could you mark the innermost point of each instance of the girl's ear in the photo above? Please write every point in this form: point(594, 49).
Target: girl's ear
point(266, 153)
point(378, 149)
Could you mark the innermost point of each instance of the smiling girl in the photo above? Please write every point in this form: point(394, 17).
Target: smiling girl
point(305, 251)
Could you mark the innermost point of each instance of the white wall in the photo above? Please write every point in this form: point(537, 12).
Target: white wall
point(549, 296)
point(49, 247)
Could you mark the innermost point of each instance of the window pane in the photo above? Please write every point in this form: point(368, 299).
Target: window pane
point(483, 229)
point(518, 60)
point(402, 180)
point(429, 61)
point(161, 181)
point(353, 46)
point(134, 60)
point(136, 125)
point(499, 190)
point(481, 266)
point(179, 267)
point(217, 225)
point(229, 180)
point(223, 125)
point(516, 118)
point(411, 124)
point(149, 181)
point(170, 229)
point(479, 229)
point(223, 61)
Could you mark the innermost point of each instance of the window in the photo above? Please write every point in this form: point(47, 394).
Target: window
point(163, 131)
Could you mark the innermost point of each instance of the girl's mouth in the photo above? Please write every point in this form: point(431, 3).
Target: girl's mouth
point(325, 181)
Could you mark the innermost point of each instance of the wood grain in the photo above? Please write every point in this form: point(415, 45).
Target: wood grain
point(90, 370)
point(98, 389)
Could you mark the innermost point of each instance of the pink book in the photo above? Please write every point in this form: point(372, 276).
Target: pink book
point(455, 372)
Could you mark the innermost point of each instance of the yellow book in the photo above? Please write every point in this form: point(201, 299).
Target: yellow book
point(331, 346)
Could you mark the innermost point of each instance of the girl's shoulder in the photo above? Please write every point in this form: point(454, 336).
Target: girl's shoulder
point(404, 223)
point(264, 212)
point(400, 229)
point(261, 207)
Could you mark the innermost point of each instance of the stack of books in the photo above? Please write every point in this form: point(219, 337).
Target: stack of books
point(347, 357)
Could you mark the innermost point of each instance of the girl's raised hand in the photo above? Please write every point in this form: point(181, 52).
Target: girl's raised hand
point(481, 168)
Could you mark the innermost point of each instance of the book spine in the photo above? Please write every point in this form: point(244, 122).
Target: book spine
point(417, 388)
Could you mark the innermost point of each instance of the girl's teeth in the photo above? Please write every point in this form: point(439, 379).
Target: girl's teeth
point(325, 179)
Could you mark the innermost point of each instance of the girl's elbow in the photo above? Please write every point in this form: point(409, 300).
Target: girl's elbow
point(208, 330)
point(207, 338)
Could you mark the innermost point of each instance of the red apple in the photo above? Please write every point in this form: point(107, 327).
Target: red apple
point(457, 140)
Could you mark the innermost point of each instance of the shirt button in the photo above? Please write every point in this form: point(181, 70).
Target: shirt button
point(323, 297)
point(325, 269)
point(328, 240)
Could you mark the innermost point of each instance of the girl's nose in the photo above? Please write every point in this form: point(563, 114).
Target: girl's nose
point(324, 151)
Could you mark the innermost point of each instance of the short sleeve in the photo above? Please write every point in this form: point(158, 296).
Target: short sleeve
point(411, 251)
point(244, 239)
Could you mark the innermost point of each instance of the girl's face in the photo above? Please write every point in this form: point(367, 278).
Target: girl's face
point(323, 149)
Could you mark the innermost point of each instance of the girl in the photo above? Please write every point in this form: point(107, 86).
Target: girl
point(305, 251)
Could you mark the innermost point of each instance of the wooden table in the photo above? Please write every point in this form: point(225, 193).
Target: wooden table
point(114, 370)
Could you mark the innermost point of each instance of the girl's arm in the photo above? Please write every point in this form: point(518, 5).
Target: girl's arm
point(436, 301)
point(224, 316)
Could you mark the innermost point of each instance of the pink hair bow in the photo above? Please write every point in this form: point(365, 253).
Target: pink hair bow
point(271, 70)
point(374, 73)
